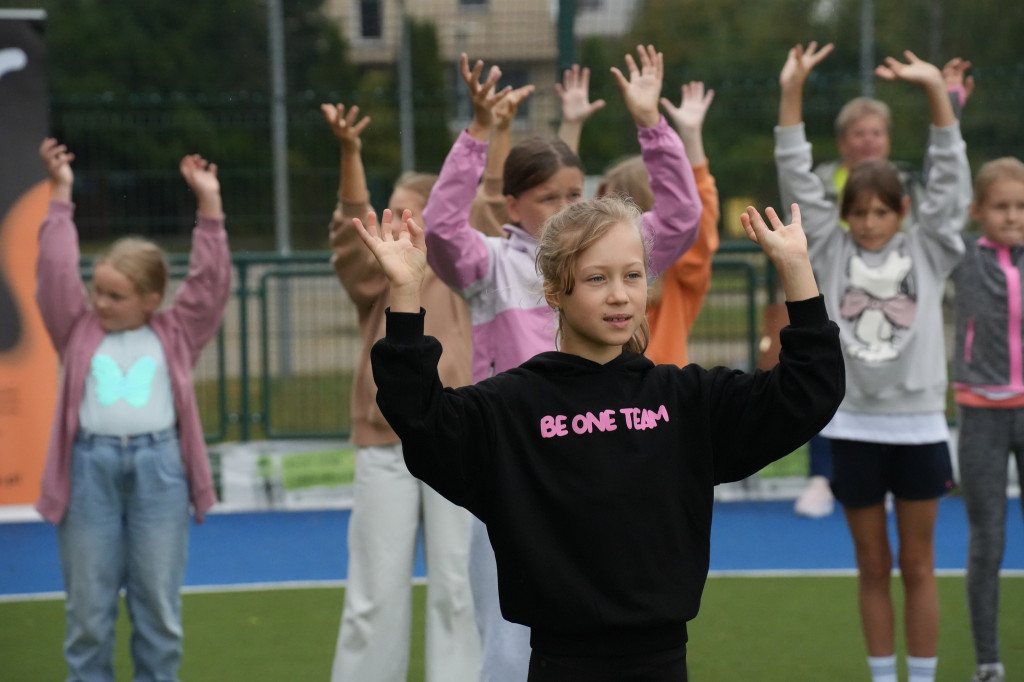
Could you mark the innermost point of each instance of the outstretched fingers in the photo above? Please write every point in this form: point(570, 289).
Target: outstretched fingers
point(753, 225)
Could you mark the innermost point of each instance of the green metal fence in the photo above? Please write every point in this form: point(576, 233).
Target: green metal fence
point(281, 365)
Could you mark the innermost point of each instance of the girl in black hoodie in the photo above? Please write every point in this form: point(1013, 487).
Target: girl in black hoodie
point(593, 468)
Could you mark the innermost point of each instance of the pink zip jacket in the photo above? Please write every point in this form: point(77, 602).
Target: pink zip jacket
point(183, 329)
point(498, 277)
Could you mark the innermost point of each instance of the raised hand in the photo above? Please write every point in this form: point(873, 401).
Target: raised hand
point(692, 109)
point(914, 70)
point(574, 91)
point(642, 90)
point(484, 96)
point(399, 247)
point(800, 62)
point(505, 109)
point(786, 247)
point(928, 77)
point(201, 177)
point(57, 160)
point(954, 74)
point(347, 127)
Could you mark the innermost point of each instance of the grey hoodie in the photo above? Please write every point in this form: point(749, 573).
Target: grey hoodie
point(887, 303)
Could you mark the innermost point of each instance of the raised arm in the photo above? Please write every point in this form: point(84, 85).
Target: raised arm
point(399, 248)
point(488, 212)
point(641, 91)
point(356, 268)
point(458, 253)
point(574, 93)
point(443, 432)
point(692, 272)
point(943, 213)
point(959, 85)
point(675, 217)
point(926, 76)
point(60, 293)
point(483, 95)
point(688, 118)
point(201, 177)
point(201, 299)
point(786, 248)
point(799, 64)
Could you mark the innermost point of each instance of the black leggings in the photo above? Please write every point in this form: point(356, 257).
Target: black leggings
point(658, 666)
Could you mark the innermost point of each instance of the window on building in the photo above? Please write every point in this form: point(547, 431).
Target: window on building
point(371, 20)
point(473, 3)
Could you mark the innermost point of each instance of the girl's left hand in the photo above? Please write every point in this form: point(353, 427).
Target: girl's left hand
point(692, 108)
point(642, 91)
point(915, 70)
point(505, 110)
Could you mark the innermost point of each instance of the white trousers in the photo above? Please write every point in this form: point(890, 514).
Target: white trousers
point(373, 641)
point(506, 646)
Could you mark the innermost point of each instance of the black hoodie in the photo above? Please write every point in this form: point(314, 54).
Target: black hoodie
point(596, 482)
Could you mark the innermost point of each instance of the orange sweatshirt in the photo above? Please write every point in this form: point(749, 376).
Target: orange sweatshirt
point(684, 285)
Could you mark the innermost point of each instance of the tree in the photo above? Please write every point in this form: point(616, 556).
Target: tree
point(137, 85)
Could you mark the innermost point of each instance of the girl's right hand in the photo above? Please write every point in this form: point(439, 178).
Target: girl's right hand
point(399, 247)
point(800, 62)
point(505, 110)
point(57, 160)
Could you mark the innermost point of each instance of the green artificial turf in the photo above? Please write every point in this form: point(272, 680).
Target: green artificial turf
point(775, 629)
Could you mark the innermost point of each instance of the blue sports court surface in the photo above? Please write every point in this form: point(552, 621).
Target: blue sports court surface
point(290, 548)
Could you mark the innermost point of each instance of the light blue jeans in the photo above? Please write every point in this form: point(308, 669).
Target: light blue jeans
point(126, 526)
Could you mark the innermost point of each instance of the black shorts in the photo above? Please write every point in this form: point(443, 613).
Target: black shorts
point(863, 472)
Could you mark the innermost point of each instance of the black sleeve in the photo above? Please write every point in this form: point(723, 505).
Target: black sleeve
point(437, 426)
point(757, 418)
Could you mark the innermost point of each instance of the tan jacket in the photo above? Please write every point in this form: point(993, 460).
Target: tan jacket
point(447, 319)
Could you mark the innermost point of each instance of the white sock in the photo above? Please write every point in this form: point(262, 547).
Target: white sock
point(922, 669)
point(883, 668)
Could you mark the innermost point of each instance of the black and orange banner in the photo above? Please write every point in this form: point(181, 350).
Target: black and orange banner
point(28, 364)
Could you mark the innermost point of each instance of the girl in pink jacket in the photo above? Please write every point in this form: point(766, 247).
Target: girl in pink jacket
point(126, 454)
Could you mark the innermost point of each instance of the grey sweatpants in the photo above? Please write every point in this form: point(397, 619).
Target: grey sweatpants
point(987, 437)
point(506, 646)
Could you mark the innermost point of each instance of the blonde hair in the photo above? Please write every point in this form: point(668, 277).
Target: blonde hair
point(629, 177)
point(141, 261)
point(417, 183)
point(572, 231)
point(859, 107)
point(1005, 168)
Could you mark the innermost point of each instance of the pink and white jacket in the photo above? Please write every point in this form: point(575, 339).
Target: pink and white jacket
point(498, 277)
point(183, 328)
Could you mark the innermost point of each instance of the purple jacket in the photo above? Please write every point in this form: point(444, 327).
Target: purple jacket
point(183, 329)
point(498, 277)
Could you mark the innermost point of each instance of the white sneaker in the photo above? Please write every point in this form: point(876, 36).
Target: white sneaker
point(990, 672)
point(816, 500)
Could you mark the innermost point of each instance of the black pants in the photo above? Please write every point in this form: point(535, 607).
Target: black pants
point(659, 666)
